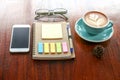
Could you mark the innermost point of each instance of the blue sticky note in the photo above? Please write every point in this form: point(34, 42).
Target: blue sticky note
point(40, 47)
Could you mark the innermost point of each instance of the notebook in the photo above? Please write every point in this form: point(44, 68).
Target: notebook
point(52, 41)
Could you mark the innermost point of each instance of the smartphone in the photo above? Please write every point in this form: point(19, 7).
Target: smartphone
point(20, 38)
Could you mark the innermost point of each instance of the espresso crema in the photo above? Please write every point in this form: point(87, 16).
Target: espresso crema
point(96, 19)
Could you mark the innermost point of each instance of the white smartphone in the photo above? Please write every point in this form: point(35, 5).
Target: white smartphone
point(20, 38)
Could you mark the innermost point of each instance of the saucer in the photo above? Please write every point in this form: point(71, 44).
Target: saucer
point(101, 37)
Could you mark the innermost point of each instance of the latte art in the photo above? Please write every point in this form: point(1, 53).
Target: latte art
point(93, 17)
point(96, 19)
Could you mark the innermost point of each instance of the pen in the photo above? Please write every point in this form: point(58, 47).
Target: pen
point(70, 38)
point(71, 45)
point(68, 30)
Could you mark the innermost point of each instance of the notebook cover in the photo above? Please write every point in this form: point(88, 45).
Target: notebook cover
point(37, 37)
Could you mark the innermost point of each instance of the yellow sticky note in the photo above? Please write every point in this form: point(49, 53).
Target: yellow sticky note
point(52, 47)
point(51, 31)
point(46, 47)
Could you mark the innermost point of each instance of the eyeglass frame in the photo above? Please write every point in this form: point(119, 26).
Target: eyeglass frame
point(51, 13)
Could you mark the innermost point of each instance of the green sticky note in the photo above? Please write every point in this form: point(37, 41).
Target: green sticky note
point(58, 47)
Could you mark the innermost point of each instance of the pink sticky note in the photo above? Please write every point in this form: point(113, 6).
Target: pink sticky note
point(64, 47)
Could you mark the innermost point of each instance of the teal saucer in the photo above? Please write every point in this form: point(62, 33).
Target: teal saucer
point(101, 37)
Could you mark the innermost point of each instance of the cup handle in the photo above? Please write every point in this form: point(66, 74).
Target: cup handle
point(110, 24)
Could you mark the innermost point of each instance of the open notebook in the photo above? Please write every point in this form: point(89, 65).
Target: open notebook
point(52, 41)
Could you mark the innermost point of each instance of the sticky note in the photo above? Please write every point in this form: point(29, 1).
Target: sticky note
point(64, 47)
point(51, 31)
point(40, 47)
point(58, 47)
point(46, 47)
point(52, 47)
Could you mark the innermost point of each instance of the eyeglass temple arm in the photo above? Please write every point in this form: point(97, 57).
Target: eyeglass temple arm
point(65, 16)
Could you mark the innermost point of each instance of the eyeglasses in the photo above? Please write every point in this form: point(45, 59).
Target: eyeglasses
point(57, 14)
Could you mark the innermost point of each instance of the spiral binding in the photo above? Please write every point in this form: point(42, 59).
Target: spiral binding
point(33, 40)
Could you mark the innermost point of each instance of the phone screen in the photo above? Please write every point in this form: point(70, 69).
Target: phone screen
point(20, 37)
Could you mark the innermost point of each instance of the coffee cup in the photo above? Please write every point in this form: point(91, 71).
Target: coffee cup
point(95, 22)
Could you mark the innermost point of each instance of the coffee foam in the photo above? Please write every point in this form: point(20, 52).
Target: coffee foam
point(96, 19)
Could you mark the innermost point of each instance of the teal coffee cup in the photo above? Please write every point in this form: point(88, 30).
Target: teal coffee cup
point(95, 22)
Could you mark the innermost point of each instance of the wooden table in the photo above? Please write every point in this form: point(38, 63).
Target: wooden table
point(84, 67)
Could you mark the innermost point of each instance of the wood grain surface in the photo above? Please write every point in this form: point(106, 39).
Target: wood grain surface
point(84, 67)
